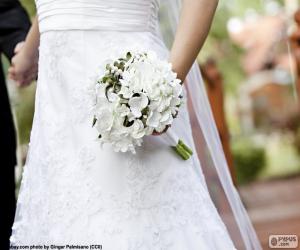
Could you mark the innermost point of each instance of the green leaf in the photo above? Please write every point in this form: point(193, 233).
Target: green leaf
point(145, 111)
point(94, 121)
point(128, 55)
point(106, 91)
point(127, 123)
point(104, 79)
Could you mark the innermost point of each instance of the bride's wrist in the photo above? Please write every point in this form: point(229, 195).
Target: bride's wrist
point(178, 68)
point(29, 52)
point(30, 55)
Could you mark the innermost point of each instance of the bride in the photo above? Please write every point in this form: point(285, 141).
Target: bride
point(75, 192)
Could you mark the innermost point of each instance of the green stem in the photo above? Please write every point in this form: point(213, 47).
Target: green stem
point(181, 152)
point(186, 148)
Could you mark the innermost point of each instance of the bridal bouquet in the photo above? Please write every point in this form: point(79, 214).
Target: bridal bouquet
point(137, 95)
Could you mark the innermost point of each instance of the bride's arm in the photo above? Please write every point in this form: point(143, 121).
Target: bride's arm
point(194, 24)
point(24, 64)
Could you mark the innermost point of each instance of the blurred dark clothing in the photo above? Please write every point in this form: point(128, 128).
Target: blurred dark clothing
point(8, 4)
point(12, 18)
point(14, 25)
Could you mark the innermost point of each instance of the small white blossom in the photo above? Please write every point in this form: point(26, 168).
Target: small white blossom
point(137, 104)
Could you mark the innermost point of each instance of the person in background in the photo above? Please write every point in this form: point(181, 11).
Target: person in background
point(14, 25)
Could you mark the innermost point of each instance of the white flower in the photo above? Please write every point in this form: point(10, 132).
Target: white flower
point(176, 101)
point(153, 119)
point(160, 128)
point(105, 120)
point(112, 97)
point(100, 90)
point(137, 129)
point(123, 110)
point(125, 91)
point(137, 104)
point(177, 87)
point(122, 144)
point(166, 117)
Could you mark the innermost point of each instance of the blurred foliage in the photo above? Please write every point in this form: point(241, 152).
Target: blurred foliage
point(249, 160)
point(297, 141)
point(23, 114)
point(29, 6)
point(282, 157)
point(218, 44)
point(294, 127)
point(291, 123)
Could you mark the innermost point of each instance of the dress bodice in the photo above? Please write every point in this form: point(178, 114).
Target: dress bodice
point(122, 15)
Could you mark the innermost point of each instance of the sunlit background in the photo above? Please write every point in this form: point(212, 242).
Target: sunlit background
point(250, 70)
point(249, 60)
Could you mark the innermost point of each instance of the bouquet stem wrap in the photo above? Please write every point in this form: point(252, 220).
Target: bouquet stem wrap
point(178, 145)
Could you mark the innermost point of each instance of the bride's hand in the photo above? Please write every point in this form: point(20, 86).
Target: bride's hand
point(23, 68)
point(24, 65)
point(160, 133)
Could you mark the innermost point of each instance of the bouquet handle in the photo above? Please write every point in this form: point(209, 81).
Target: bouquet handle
point(178, 145)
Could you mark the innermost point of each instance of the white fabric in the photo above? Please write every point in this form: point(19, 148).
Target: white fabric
point(121, 15)
point(73, 191)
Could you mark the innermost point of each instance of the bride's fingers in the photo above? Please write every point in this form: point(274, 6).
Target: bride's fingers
point(32, 76)
point(11, 73)
point(19, 46)
point(159, 133)
point(11, 70)
point(25, 81)
point(18, 77)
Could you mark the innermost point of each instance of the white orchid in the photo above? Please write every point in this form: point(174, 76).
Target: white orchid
point(138, 129)
point(137, 104)
point(153, 119)
point(122, 110)
point(107, 119)
point(125, 92)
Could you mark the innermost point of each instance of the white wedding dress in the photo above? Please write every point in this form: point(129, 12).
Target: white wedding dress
point(75, 192)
